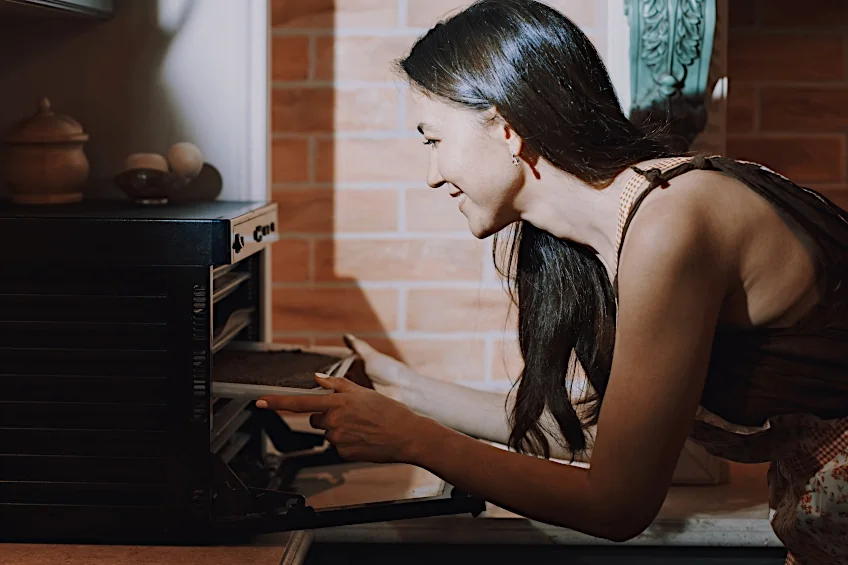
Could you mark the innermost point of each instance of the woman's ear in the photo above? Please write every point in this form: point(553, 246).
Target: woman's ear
point(513, 141)
point(504, 132)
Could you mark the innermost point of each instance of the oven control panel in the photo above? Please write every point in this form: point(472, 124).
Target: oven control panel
point(253, 234)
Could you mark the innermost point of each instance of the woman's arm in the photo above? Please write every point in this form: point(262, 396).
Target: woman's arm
point(672, 283)
point(477, 413)
point(480, 414)
point(671, 290)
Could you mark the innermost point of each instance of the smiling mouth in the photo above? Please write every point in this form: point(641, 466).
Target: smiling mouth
point(457, 195)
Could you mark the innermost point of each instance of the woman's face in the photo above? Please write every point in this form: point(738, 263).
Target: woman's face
point(473, 161)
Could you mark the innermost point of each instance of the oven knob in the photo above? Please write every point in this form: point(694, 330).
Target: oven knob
point(238, 243)
point(257, 233)
point(273, 227)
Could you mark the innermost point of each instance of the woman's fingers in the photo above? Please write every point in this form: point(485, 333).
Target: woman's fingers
point(318, 420)
point(297, 403)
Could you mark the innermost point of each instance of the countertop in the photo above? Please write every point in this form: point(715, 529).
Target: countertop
point(735, 514)
point(277, 549)
point(731, 515)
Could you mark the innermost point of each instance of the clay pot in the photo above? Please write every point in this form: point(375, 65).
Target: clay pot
point(44, 161)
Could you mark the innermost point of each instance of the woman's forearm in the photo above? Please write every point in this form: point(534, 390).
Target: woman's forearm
point(539, 489)
point(477, 413)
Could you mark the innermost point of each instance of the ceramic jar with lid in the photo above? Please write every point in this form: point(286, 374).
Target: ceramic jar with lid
point(44, 161)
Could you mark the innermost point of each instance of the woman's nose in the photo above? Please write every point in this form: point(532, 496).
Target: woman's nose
point(434, 177)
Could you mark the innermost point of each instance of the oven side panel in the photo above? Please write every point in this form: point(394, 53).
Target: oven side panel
point(104, 409)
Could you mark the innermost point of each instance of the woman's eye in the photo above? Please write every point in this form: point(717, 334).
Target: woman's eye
point(431, 142)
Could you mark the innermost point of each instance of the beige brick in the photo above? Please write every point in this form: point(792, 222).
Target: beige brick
point(411, 118)
point(426, 13)
point(360, 58)
point(443, 359)
point(302, 110)
point(372, 160)
point(289, 160)
point(398, 260)
point(324, 210)
point(290, 260)
point(334, 310)
point(322, 110)
point(433, 210)
point(506, 360)
point(370, 210)
point(305, 210)
point(328, 14)
point(289, 58)
point(366, 109)
point(459, 309)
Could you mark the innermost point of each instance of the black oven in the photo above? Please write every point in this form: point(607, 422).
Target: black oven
point(112, 316)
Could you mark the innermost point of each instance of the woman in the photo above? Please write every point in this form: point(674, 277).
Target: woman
point(717, 312)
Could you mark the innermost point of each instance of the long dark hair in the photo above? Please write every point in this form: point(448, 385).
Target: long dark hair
point(548, 82)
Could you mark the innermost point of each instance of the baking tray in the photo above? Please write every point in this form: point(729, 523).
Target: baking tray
point(255, 369)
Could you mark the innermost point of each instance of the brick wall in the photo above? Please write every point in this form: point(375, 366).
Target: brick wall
point(788, 97)
point(367, 247)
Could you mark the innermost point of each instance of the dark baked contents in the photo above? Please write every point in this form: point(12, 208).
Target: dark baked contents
point(290, 369)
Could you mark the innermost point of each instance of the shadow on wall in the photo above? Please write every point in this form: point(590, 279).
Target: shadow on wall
point(106, 74)
point(317, 305)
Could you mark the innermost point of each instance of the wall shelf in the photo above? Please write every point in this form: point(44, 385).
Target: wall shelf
point(98, 9)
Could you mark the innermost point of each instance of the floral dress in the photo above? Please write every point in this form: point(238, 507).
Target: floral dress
point(780, 395)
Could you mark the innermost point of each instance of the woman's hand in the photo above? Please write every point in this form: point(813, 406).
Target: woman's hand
point(389, 376)
point(362, 424)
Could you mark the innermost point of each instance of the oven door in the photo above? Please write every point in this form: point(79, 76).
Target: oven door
point(339, 493)
point(302, 483)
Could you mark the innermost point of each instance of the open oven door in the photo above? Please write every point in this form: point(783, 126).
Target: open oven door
point(310, 486)
point(302, 483)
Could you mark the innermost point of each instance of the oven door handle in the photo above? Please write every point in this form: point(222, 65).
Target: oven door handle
point(297, 517)
point(450, 502)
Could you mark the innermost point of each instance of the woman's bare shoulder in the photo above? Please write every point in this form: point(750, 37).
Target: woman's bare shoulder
point(704, 200)
point(695, 213)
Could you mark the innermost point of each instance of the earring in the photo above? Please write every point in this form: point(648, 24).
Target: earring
point(515, 160)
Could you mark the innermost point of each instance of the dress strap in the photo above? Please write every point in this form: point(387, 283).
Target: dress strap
point(657, 176)
point(628, 195)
